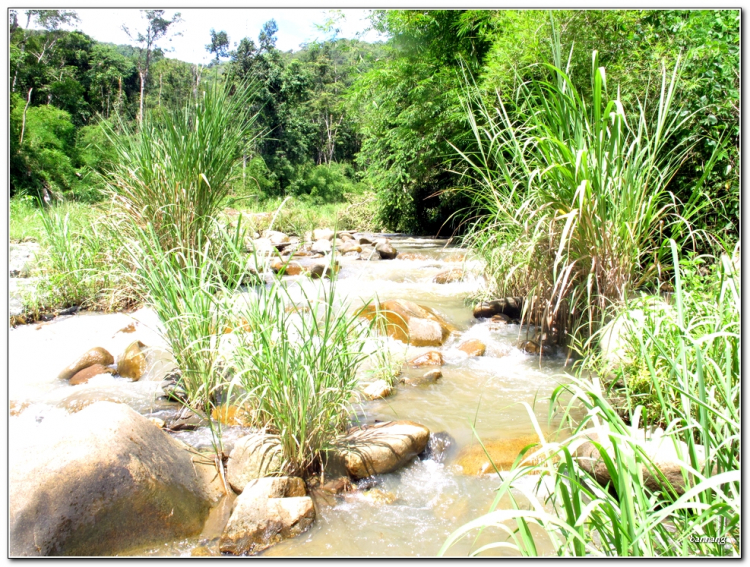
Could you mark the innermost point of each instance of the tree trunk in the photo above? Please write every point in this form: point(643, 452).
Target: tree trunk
point(143, 84)
point(23, 122)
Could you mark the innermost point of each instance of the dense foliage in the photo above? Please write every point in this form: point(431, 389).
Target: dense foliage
point(340, 116)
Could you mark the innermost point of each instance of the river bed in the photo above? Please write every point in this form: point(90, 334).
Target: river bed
point(427, 500)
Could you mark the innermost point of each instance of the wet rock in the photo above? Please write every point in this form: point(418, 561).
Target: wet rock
point(184, 420)
point(473, 347)
point(430, 377)
point(103, 481)
point(381, 448)
point(132, 363)
point(228, 414)
point(431, 358)
point(267, 512)
point(510, 306)
point(301, 253)
point(499, 321)
point(172, 387)
point(322, 234)
point(659, 448)
point(321, 269)
point(346, 237)
point(364, 240)
point(321, 247)
point(385, 250)
point(290, 269)
point(408, 322)
point(379, 496)
point(83, 376)
point(96, 355)
point(533, 347)
point(450, 276)
point(253, 457)
point(337, 485)
point(378, 389)
point(503, 452)
point(455, 257)
point(450, 507)
point(349, 246)
point(437, 447)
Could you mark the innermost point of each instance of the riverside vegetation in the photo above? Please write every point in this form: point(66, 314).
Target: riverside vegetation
point(597, 188)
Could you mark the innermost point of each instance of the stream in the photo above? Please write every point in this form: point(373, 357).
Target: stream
point(423, 502)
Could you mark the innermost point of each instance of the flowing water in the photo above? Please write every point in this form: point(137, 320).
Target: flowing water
point(423, 503)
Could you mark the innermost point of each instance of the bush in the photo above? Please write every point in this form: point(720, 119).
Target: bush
point(325, 183)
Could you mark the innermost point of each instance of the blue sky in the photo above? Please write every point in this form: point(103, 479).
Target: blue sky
point(296, 26)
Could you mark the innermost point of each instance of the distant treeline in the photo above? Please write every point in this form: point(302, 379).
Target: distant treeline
point(341, 116)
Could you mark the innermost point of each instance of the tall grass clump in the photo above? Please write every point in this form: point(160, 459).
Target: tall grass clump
point(297, 367)
point(692, 358)
point(175, 170)
point(82, 263)
point(574, 192)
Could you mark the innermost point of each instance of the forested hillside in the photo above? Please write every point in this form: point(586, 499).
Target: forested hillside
point(344, 116)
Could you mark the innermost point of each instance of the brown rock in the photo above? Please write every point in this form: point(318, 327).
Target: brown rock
point(378, 389)
point(322, 234)
point(96, 355)
point(381, 448)
point(83, 376)
point(451, 276)
point(503, 452)
point(660, 450)
point(473, 347)
point(320, 269)
point(253, 457)
point(231, 415)
point(385, 250)
point(349, 246)
point(281, 267)
point(132, 363)
point(510, 306)
point(431, 358)
point(268, 511)
point(407, 322)
point(430, 377)
point(104, 481)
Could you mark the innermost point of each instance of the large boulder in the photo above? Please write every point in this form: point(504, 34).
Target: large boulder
point(659, 448)
point(408, 322)
point(96, 355)
point(268, 511)
point(253, 457)
point(381, 448)
point(510, 306)
point(102, 481)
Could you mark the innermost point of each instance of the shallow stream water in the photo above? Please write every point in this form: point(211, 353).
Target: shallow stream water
point(427, 500)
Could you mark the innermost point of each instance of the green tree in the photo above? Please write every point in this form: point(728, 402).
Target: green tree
point(157, 29)
point(219, 45)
